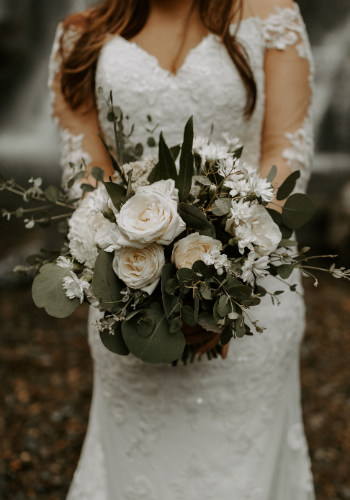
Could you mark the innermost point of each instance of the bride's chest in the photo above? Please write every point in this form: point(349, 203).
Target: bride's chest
point(207, 85)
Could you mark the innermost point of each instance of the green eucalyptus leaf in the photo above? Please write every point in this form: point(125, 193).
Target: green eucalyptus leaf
point(272, 174)
point(285, 270)
point(193, 217)
point(171, 285)
point(226, 335)
point(114, 343)
point(240, 293)
point(175, 325)
point(35, 259)
point(202, 179)
point(168, 273)
point(185, 275)
point(288, 186)
point(298, 209)
point(162, 346)
point(260, 291)
point(97, 173)
point(208, 272)
point(184, 179)
point(240, 328)
point(48, 291)
point(86, 188)
point(105, 284)
point(216, 315)
point(145, 327)
point(63, 227)
point(224, 307)
point(188, 316)
point(205, 291)
point(223, 206)
point(151, 143)
point(52, 194)
point(254, 301)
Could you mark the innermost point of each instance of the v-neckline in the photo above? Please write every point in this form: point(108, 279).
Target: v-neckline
point(193, 50)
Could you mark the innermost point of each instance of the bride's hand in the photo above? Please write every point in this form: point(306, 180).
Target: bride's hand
point(196, 334)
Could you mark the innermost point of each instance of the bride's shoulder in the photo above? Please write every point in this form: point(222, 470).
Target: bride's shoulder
point(265, 8)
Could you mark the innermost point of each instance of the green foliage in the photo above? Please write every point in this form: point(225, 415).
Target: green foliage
point(106, 285)
point(184, 179)
point(288, 186)
point(97, 173)
point(193, 217)
point(48, 291)
point(208, 272)
point(277, 218)
point(86, 188)
point(188, 316)
point(224, 307)
point(168, 272)
point(285, 270)
point(63, 227)
point(52, 194)
point(114, 343)
point(240, 327)
point(272, 174)
point(298, 209)
point(288, 243)
point(116, 193)
point(161, 346)
point(226, 335)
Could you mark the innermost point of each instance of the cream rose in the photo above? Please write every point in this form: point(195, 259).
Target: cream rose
point(166, 188)
point(194, 247)
point(140, 268)
point(147, 218)
point(267, 233)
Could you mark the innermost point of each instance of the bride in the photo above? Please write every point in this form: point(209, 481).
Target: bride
point(228, 429)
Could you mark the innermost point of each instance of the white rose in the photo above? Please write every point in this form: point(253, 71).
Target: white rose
point(147, 218)
point(166, 188)
point(140, 268)
point(194, 247)
point(107, 233)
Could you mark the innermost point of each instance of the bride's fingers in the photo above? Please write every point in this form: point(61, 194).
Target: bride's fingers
point(224, 351)
point(197, 338)
point(209, 345)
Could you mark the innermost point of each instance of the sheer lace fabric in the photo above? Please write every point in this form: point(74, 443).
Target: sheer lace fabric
point(220, 430)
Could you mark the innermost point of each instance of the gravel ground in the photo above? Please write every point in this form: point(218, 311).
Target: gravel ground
point(45, 392)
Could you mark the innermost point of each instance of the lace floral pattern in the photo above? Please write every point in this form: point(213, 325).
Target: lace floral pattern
point(72, 156)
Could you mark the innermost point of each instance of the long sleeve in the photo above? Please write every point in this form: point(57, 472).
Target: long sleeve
point(80, 146)
point(288, 131)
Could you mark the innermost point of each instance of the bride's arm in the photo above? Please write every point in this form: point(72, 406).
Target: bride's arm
point(78, 129)
point(287, 140)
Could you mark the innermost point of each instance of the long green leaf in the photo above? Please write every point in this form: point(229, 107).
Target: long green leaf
point(168, 272)
point(193, 217)
point(116, 193)
point(105, 284)
point(114, 162)
point(166, 160)
point(184, 179)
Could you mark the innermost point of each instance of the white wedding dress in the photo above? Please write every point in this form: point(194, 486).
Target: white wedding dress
point(214, 430)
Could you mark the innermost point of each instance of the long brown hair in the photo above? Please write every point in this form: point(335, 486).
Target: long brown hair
point(127, 18)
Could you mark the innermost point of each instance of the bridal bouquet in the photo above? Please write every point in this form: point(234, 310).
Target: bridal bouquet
point(180, 239)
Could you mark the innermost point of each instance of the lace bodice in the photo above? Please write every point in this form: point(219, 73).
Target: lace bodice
point(208, 87)
point(219, 430)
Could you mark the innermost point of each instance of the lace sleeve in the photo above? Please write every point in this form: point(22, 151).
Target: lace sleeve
point(80, 146)
point(289, 69)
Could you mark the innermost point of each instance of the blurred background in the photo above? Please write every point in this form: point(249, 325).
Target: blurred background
point(45, 366)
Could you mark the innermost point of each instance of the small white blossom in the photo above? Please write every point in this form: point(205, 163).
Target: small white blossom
point(75, 287)
point(241, 211)
point(208, 151)
point(245, 236)
point(232, 143)
point(261, 188)
point(218, 260)
point(63, 262)
point(254, 266)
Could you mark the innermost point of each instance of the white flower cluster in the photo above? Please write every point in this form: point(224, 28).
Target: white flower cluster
point(90, 230)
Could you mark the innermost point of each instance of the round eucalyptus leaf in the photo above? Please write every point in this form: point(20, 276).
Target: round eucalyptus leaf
point(161, 346)
point(144, 327)
point(188, 316)
point(114, 343)
point(298, 209)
